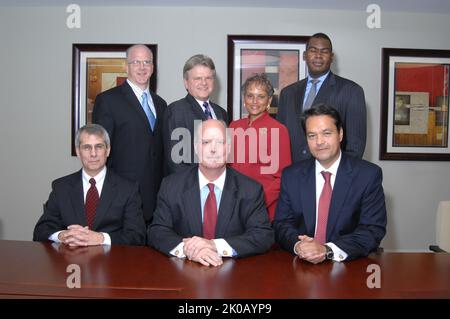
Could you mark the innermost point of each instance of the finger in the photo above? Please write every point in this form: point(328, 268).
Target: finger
point(203, 261)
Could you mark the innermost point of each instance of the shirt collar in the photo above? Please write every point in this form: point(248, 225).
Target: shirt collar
point(220, 182)
point(137, 90)
point(332, 169)
point(320, 78)
point(201, 103)
point(97, 177)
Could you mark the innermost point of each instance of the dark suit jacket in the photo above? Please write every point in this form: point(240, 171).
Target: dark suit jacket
point(118, 212)
point(242, 218)
point(136, 151)
point(344, 95)
point(357, 216)
point(182, 114)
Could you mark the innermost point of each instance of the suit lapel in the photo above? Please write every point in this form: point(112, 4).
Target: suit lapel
point(159, 111)
point(227, 201)
point(191, 200)
point(341, 187)
point(196, 107)
point(109, 192)
point(308, 196)
point(327, 88)
point(299, 96)
point(135, 104)
point(77, 199)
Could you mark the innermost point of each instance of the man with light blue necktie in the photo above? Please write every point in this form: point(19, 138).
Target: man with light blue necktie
point(323, 86)
point(132, 115)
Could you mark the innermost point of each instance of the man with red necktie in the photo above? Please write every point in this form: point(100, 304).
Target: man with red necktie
point(93, 206)
point(331, 206)
point(209, 211)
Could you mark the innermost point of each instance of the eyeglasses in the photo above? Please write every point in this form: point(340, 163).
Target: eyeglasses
point(136, 63)
point(88, 148)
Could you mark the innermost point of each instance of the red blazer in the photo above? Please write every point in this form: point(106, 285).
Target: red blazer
point(255, 160)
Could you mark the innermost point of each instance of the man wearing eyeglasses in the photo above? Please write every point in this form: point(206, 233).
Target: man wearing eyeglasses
point(132, 115)
point(199, 75)
point(332, 206)
point(93, 206)
point(323, 86)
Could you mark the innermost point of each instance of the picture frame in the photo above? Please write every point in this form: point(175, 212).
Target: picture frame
point(96, 68)
point(414, 105)
point(279, 56)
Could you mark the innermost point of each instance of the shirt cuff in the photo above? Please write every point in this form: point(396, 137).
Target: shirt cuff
point(178, 251)
point(338, 254)
point(223, 249)
point(54, 237)
point(295, 252)
point(106, 239)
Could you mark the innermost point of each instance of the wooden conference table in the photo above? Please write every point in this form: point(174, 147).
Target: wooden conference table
point(39, 270)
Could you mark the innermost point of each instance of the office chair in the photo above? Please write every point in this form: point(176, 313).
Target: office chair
point(442, 228)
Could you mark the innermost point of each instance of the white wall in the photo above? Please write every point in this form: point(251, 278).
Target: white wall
point(35, 91)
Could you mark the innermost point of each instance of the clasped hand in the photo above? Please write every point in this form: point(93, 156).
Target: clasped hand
point(202, 250)
point(310, 250)
point(77, 235)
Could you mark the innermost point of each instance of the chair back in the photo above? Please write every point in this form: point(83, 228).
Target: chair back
point(443, 226)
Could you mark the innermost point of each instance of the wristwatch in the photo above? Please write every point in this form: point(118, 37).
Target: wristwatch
point(329, 254)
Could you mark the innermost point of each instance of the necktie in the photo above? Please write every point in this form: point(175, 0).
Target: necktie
point(90, 206)
point(210, 214)
point(324, 206)
point(311, 94)
point(150, 116)
point(207, 110)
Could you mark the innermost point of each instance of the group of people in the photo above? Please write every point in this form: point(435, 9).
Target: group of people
point(179, 179)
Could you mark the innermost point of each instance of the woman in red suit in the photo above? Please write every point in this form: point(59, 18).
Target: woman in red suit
point(261, 144)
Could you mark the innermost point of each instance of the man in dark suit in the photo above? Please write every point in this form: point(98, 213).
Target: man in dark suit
point(199, 74)
point(209, 211)
point(323, 86)
point(93, 206)
point(132, 115)
point(331, 206)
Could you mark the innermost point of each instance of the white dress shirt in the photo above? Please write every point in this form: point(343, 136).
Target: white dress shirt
point(210, 108)
point(99, 180)
point(138, 92)
point(223, 248)
point(339, 255)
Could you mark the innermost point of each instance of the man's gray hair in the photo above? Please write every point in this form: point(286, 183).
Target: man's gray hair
point(198, 59)
point(93, 129)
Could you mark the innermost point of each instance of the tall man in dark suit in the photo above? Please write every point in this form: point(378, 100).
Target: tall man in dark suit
point(199, 74)
point(209, 211)
point(323, 86)
point(332, 205)
point(93, 206)
point(132, 115)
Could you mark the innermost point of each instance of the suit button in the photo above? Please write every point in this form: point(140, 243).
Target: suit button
point(304, 151)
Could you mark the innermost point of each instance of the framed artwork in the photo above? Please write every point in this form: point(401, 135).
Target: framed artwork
point(414, 105)
point(97, 68)
point(280, 57)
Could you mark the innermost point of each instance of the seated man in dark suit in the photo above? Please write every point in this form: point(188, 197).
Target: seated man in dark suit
point(93, 206)
point(210, 211)
point(199, 73)
point(331, 206)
